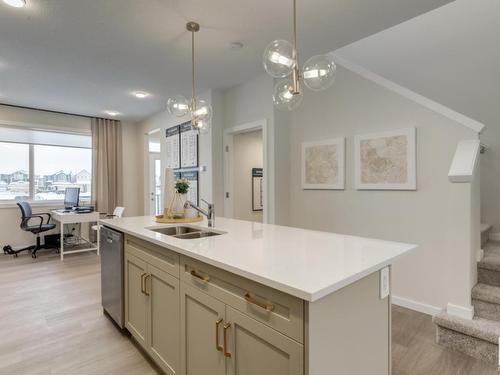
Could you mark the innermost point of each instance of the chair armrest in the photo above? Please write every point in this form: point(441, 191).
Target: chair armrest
point(49, 216)
point(41, 220)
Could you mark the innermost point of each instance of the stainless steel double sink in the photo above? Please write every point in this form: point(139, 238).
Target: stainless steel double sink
point(186, 233)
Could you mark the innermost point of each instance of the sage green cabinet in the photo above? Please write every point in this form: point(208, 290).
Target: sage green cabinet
point(152, 311)
point(202, 319)
point(136, 301)
point(164, 319)
point(209, 323)
point(219, 340)
point(257, 349)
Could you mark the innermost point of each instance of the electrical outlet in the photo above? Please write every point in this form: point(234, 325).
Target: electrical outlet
point(384, 283)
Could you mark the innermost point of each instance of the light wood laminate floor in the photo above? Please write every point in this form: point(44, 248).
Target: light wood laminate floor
point(51, 322)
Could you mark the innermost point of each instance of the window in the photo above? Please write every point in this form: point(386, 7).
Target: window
point(57, 168)
point(39, 165)
point(14, 171)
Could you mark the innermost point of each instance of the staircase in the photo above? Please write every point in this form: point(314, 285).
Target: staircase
point(478, 337)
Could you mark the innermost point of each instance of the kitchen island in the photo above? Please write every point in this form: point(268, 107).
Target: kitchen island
point(257, 299)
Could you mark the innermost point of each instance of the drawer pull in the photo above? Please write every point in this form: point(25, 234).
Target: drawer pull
point(202, 278)
point(217, 345)
point(253, 301)
point(226, 353)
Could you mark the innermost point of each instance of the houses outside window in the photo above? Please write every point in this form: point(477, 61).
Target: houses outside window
point(42, 172)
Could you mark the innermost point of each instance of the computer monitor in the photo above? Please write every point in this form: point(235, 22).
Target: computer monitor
point(71, 197)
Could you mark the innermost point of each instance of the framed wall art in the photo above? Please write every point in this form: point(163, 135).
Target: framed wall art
point(323, 164)
point(386, 160)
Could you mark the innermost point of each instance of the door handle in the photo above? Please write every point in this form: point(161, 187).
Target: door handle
point(217, 345)
point(143, 291)
point(226, 353)
point(147, 291)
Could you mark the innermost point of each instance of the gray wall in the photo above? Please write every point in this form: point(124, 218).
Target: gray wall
point(490, 178)
point(354, 106)
point(247, 154)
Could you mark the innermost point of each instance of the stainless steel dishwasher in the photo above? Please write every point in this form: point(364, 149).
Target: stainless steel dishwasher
point(111, 243)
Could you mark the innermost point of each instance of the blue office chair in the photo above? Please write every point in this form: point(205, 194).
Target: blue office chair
point(36, 229)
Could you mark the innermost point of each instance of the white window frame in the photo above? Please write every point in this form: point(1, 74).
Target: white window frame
point(9, 203)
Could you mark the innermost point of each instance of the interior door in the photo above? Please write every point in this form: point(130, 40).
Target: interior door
point(201, 330)
point(155, 191)
point(164, 317)
point(257, 349)
point(136, 300)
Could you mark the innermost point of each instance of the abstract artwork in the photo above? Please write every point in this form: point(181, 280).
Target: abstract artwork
point(323, 164)
point(386, 160)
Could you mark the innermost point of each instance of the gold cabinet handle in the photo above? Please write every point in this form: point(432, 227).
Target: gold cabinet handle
point(146, 278)
point(202, 278)
point(226, 353)
point(253, 301)
point(217, 345)
point(143, 291)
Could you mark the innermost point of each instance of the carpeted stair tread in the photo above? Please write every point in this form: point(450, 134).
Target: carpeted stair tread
point(487, 330)
point(486, 293)
point(490, 261)
point(484, 227)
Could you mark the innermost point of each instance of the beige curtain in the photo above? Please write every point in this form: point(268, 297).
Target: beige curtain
point(107, 166)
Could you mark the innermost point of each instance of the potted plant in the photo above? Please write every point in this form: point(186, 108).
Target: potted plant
point(181, 189)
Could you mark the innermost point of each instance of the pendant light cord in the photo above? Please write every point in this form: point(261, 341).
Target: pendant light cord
point(295, 32)
point(296, 72)
point(192, 69)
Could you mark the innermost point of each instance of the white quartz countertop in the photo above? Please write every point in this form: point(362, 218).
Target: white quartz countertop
point(303, 263)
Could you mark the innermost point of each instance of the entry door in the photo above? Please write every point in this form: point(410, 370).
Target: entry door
point(155, 206)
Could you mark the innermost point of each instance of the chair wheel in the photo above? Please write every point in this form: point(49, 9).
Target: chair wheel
point(33, 256)
point(16, 255)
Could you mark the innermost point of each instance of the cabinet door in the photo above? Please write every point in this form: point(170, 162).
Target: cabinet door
point(164, 318)
point(136, 301)
point(199, 316)
point(257, 349)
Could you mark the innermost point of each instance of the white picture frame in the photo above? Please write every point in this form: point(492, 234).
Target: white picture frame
point(400, 173)
point(316, 164)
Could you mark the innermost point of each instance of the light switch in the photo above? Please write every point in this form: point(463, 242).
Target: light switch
point(385, 288)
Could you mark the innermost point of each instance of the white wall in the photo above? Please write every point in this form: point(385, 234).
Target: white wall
point(247, 154)
point(354, 106)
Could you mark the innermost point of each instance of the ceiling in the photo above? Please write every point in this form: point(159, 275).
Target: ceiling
point(450, 55)
point(88, 56)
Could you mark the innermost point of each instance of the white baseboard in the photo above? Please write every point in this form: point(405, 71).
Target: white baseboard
point(480, 255)
point(494, 236)
point(464, 312)
point(416, 306)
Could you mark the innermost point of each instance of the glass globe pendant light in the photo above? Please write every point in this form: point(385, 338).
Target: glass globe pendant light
point(280, 59)
point(199, 109)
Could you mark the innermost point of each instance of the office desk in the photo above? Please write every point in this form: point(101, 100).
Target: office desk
point(73, 218)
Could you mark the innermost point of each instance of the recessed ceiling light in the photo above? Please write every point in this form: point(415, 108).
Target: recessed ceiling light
point(140, 94)
point(15, 3)
point(112, 113)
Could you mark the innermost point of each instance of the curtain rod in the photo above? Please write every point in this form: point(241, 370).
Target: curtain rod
point(48, 110)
